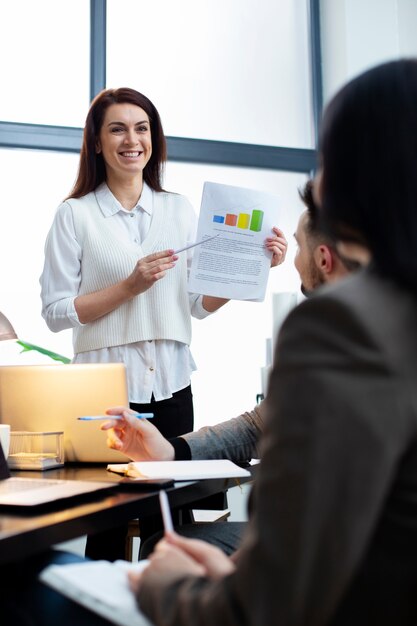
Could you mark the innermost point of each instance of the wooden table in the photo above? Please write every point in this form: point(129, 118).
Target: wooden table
point(22, 535)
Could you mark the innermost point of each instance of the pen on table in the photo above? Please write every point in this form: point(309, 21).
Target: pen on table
point(196, 243)
point(166, 513)
point(90, 418)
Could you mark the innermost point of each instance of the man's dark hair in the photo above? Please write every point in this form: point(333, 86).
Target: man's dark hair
point(314, 232)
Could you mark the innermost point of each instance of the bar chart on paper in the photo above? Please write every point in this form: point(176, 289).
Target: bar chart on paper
point(252, 221)
point(233, 262)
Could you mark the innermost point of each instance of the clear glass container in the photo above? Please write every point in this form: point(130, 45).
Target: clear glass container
point(36, 450)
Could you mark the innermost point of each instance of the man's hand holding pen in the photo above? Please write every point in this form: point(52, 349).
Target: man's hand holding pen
point(137, 438)
point(175, 557)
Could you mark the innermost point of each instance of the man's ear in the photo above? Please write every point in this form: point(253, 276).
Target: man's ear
point(323, 258)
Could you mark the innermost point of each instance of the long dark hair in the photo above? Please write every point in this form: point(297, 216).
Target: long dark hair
point(368, 147)
point(91, 169)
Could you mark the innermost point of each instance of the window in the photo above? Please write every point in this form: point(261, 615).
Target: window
point(44, 47)
point(228, 71)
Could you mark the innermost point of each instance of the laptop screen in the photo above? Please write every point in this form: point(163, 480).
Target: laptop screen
point(44, 398)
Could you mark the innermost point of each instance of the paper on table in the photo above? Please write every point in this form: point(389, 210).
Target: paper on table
point(100, 586)
point(180, 470)
point(236, 263)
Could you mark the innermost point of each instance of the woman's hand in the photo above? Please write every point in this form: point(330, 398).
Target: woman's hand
point(149, 269)
point(278, 245)
point(176, 557)
point(137, 438)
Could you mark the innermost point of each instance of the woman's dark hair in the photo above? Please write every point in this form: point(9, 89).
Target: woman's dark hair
point(91, 170)
point(368, 148)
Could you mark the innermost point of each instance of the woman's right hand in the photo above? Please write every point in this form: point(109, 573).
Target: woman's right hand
point(149, 269)
point(137, 438)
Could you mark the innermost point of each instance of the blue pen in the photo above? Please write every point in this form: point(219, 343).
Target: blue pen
point(90, 418)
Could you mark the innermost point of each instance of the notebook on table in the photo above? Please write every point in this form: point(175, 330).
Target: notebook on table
point(180, 470)
point(29, 493)
point(44, 398)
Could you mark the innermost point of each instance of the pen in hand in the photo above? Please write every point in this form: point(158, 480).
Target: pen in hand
point(90, 418)
point(166, 513)
point(196, 243)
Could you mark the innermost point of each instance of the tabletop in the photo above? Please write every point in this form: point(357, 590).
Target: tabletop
point(23, 534)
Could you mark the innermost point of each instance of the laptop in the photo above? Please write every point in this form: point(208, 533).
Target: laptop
point(45, 398)
point(29, 493)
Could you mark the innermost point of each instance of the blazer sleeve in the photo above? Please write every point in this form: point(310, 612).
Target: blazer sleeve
point(236, 439)
point(329, 455)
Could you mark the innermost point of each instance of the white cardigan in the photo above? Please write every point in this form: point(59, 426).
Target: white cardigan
point(161, 312)
point(160, 366)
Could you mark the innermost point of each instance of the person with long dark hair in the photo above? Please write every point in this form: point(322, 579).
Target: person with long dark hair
point(109, 262)
point(332, 535)
point(110, 272)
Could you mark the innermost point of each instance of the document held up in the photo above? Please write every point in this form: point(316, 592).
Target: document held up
point(235, 264)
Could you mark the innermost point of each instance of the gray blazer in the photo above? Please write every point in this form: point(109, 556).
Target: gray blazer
point(332, 539)
point(236, 439)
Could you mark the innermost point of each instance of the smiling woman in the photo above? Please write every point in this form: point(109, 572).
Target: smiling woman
point(110, 272)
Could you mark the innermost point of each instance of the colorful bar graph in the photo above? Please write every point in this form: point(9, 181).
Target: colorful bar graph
point(253, 220)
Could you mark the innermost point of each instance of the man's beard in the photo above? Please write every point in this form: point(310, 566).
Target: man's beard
point(316, 278)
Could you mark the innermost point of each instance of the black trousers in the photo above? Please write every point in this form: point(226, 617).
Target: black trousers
point(172, 417)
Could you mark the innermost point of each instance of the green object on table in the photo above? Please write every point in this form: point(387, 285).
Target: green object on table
point(53, 355)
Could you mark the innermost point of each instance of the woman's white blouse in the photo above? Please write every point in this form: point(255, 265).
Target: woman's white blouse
point(159, 367)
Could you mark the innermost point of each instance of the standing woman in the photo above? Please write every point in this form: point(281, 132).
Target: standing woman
point(110, 272)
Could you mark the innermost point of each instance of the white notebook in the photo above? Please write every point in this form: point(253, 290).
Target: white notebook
point(100, 586)
point(179, 470)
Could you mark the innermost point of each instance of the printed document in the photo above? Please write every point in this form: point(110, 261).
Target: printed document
point(235, 264)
